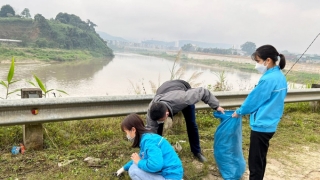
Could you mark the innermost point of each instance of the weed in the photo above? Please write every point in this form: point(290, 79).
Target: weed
point(45, 91)
point(9, 80)
point(175, 73)
point(221, 84)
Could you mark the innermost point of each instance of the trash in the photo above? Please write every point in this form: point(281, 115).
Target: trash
point(177, 147)
point(92, 161)
point(18, 149)
point(65, 163)
point(22, 148)
point(15, 150)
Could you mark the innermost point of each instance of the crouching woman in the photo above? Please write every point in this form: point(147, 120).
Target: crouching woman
point(156, 160)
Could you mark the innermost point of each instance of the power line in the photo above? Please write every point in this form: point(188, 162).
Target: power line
point(303, 53)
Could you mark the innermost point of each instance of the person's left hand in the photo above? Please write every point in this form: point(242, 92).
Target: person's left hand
point(235, 115)
point(135, 157)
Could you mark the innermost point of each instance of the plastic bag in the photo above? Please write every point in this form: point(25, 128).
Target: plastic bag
point(228, 146)
point(15, 150)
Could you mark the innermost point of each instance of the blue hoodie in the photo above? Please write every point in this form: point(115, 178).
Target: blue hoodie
point(158, 156)
point(265, 103)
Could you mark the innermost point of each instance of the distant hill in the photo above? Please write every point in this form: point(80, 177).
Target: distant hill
point(107, 36)
point(66, 31)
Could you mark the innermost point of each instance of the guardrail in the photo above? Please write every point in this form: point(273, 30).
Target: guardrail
point(15, 112)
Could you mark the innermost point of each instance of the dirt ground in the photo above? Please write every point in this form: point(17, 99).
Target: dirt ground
point(302, 165)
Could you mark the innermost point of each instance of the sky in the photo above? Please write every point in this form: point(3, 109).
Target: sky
point(286, 24)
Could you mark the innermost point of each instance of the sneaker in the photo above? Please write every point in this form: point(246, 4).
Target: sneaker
point(200, 157)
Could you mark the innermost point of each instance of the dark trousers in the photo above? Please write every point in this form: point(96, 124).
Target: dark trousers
point(259, 144)
point(189, 114)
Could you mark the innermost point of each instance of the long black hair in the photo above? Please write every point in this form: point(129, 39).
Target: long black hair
point(268, 51)
point(134, 120)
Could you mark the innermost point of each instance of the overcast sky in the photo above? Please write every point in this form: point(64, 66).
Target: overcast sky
point(286, 24)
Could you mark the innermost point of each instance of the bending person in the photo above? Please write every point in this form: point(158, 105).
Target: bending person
point(175, 96)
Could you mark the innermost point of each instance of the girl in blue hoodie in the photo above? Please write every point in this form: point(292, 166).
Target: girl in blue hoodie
point(265, 104)
point(156, 160)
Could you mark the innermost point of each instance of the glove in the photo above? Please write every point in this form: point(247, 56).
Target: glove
point(120, 171)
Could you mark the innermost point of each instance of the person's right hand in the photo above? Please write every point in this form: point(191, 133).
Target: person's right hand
point(235, 115)
point(220, 109)
point(120, 171)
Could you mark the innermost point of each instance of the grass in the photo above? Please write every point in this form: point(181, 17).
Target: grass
point(46, 54)
point(102, 138)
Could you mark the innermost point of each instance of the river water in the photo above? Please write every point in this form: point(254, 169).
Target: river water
point(123, 75)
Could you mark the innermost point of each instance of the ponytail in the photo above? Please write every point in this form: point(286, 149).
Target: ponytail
point(282, 62)
point(268, 51)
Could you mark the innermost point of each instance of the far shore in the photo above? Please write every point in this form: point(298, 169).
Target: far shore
point(299, 67)
point(24, 61)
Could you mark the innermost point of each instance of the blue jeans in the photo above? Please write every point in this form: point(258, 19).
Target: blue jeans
point(189, 114)
point(136, 173)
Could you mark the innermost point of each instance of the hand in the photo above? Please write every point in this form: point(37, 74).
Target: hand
point(235, 115)
point(135, 158)
point(220, 109)
point(120, 171)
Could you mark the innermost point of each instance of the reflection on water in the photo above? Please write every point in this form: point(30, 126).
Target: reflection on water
point(117, 76)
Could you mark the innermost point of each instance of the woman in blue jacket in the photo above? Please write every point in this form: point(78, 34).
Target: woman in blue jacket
point(156, 159)
point(265, 104)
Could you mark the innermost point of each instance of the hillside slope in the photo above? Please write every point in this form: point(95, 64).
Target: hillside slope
point(64, 32)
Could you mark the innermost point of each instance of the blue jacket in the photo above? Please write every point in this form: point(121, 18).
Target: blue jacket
point(158, 156)
point(265, 103)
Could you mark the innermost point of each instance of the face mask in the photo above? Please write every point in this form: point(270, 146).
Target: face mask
point(130, 138)
point(160, 122)
point(261, 68)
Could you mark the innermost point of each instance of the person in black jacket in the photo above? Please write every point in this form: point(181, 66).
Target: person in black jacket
point(175, 96)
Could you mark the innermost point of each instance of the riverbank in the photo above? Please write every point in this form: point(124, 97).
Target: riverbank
point(294, 152)
point(31, 55)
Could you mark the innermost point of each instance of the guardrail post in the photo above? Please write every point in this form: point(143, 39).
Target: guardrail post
point(315, 104)
point(32, 133)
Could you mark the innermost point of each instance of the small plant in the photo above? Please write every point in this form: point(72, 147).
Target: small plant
point(154, 87)
point(9, 80)
point(179, 73)
point(43, 87)
point(222, 84)
point(137, 89)
point(175, 73)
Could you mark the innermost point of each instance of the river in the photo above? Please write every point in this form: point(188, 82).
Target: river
point(123, 75)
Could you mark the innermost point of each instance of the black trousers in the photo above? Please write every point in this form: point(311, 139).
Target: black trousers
point(259, 144)
point(189, 114)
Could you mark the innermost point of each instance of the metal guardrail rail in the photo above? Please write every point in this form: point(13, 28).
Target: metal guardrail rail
point(15, 112)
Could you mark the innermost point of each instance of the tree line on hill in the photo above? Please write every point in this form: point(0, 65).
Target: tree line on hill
point(246, 49)
point(66, 31)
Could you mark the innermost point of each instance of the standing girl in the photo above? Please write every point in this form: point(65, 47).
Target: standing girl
point(156, 160)
point(265, 104)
